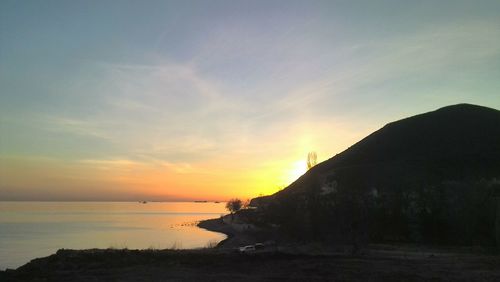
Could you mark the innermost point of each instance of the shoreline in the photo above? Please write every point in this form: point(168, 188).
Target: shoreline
point(391, 262)
point(216, 225)
point(235, 238)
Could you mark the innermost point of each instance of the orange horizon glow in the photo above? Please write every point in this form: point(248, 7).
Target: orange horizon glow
point(241, 174)
point(205, 101)
point(129, 180)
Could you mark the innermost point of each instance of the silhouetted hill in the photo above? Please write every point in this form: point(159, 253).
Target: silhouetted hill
point(422, 178)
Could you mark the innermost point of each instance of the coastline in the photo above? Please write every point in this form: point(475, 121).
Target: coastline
point(237, 234)
point(216, 225)
point(287, 263)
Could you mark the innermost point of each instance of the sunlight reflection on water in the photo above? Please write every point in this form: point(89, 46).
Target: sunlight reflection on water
point(36, 229)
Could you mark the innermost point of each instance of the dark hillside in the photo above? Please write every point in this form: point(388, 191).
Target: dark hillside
point(427, 178)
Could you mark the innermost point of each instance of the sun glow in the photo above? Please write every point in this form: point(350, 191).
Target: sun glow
point(297, 170)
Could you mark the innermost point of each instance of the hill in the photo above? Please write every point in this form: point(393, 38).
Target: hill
point(428, 178)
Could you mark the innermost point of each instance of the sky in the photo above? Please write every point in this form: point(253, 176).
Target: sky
point(210, 100)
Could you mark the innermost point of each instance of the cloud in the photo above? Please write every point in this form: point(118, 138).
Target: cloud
point(124, 165)
point(403, 70)
point(75, 126)
point(185, 113)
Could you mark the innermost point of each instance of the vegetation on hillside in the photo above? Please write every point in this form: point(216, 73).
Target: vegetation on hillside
point(431, 178)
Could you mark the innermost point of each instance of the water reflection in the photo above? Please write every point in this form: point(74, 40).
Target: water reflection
point(35, 229)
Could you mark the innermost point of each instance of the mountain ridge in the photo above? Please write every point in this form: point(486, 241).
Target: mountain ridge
point(463, 108)
point(401, 170)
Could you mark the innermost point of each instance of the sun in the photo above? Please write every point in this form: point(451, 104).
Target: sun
point(297, 170)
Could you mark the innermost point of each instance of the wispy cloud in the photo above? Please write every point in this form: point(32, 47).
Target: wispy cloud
point(243, 88)
point(180, 113)
point(75, 126)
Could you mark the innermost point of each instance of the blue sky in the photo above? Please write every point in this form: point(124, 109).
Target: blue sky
point(100, 95)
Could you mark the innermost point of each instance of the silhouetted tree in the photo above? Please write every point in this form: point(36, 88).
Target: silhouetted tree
point(245, 204)
point(233, 206)
point(311, 159)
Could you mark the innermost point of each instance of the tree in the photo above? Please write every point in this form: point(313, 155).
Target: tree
point(233, 206)
point(245, 204)
point(311, 159)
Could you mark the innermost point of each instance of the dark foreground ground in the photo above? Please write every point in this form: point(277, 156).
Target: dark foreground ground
point(375, 264)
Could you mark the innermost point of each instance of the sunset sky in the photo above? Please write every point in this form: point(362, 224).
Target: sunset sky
point(195, 100)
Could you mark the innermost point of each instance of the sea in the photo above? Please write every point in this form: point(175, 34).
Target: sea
point(30, 230)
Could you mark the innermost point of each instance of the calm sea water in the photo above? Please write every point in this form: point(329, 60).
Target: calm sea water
point(35, 229)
